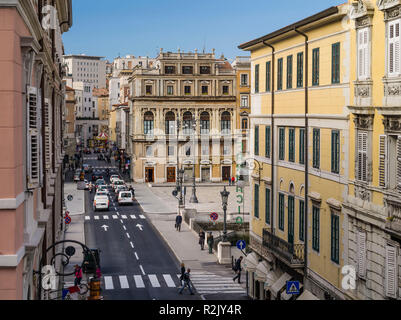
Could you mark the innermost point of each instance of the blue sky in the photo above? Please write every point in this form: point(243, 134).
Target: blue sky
point(121, 27)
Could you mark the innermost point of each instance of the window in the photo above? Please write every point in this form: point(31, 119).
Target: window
point(187, 89)
point(281, 212)
point(289, 72)
point(315, 66)
point(244, 124)
point(280, 74)
point(205, 123)
point(33, 138)
point(171, 151)
point(281, 152)
point(257, 78)
point(267, 206)
point(302, 146)
point(188, 151)
point(149, 151)
point(226, 150)
point(188, 123)
point(148, 89)
point(256, 201)
point(170, 90)
point(148, 123)
point(226, 122)
point(316, 228)
point(361, 253)
point(244, 101)
point(169, 69)
point(187, 70)
point(300, 69)
point(335, 238)
point(204, 70)
point(335, 65)
point(301, 220)
point(390, 161)
point(394, 48)
point(291, 210)
point(316, 148)
point(391, 274)
point(268, 76)
point(225, 90)
point(170, 123)
point(244, 79)
point(335, 151)
point(205, 149)
point(205, 90)
point(363, 157)
point(256, 140)
point(291, 145)
point(363, 54)
point(267, 141)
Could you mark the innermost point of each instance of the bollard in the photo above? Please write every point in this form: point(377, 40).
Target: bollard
point(94, 287)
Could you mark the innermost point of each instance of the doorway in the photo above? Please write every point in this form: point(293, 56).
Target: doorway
point(226, 173)
point(205, 174)
point(171, 177)
point(149, 175)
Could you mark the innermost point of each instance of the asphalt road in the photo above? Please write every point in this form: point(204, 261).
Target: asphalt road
point(136, 263)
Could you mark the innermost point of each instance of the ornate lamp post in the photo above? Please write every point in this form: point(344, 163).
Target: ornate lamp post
point(224, 199)
point(194, 199)
point(179, 178)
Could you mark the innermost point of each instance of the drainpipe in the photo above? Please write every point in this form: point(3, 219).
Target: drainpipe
point(272, 130)
point(306, 148)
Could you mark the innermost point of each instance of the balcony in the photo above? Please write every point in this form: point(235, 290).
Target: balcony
point(291, 254)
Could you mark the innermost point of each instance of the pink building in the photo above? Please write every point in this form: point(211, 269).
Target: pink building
point(31, 149)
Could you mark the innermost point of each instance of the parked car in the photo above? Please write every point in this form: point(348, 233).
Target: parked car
point(117, 183)
point(96, 176)
point(101, 202)
point(102, 193)
point(125, 197)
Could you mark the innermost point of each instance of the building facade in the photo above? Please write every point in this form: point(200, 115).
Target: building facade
point(32, 97)
point(188, 87)
point(70, 141)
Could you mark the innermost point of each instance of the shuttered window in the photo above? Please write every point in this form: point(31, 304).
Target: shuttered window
point(361, 253)
point(383, 158)
point(289, 72)
point(281, 152)
point(316, 148)
point(335, 66)
point(291, 210)
point(291, 145)
point(399, 163)
point(48, 132)
point(267, 206)
point(256, 209)
point(256, 140)
point(268, 76)
point(335, 151)
point(363, 54)
point(300, 69)
point(257, 78)
point(267, 141)
point(391, 281)
point(280, 74)
point(302, 146)
point(301, 220)
point(394, 48)
point(316, 229)
point(315, 66)
point(335, 238)
point(33, 138)
point(281, 212)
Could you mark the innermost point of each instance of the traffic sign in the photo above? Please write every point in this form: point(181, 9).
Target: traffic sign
point(293, 287)
point(241, 244)
point(70, 197)
point(214, 216)
point(67, 220)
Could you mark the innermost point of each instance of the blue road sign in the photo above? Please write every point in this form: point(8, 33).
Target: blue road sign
point(293, 287)
point(214, 216)
point(241, 244)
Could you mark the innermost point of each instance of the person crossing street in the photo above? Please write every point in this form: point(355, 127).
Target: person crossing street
point(187, 282)
point(238, 269)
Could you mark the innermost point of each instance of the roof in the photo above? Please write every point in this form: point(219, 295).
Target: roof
point(69, 88)
point(226, 65)
point(125, 104)
point(98, 92)
point(323, 14)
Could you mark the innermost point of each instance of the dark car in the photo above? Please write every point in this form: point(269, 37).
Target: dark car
point(96, 176)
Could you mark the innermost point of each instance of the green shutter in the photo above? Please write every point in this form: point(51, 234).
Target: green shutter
point(281, 212)
point(256, 201)
point(300, 69)
point(301, 220)
point(268, 76)
point(316, 148)
point(267, 142)
point(291, 144)
point(256, 140)
point(280, 74)
point(335, 151)
point(335, 238)
point(315, 67)
point(302, 146)
point(267, 206)
point(291, 202)
point(316, 229)
point(282, 144)
point(335, 67)
point(289, 72)
point(257, 78)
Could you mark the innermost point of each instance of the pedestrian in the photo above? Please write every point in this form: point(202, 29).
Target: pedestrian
point(78, 275)
point(202, 237)
point(182, 274)
point(178, 222)
point(238, 269)
point(187, 282)
point(229, 181)
point(233, 181)
point(210, 242)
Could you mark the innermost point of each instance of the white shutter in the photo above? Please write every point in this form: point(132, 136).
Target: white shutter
point(48, 132)
point(33, 137)
point(41, 154)
point(361, 254)
point(361, 57)
point(383, 161)
point(366, 53)
point(394, 48)
point(391, 280)
point(397, 48)
point(363, 54)
point(399, 163)
point(362, 156)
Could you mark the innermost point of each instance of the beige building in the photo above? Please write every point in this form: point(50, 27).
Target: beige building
point(70, 142)
point(184, 86)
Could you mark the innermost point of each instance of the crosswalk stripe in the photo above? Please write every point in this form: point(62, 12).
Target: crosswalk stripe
point(115, 217)
point(124, 217)
point(133, 217)
point(142, 217)
point(153, 280)
point(87, 218)
point(106, 217)
point(96, 217)
point(124, 282)
point(169, 281)
point(139, 282)
point(108, 282)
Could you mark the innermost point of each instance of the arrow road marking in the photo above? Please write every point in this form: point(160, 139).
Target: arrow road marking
point(139, 226)
point(105, 227)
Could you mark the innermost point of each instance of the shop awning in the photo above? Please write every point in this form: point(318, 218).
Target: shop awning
point(250, 262)
point(262, 269)
point(307, 295)
point(280, 283)
point(271, 278)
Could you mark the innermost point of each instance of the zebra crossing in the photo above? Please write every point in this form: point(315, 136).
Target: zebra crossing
point(115, 217)
point(208, 283)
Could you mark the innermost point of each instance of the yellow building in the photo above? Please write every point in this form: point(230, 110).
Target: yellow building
point(373, 205)
point(299, 138)
point(102, 96)
point(112, 125)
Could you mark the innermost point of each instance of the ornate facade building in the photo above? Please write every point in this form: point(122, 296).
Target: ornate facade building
point(198, 90)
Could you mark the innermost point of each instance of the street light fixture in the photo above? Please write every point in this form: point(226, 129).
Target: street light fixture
point(224, 199)
point(194, 199)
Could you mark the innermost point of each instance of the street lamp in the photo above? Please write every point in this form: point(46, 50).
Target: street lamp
point(224, 199)
point(178, 159)
point(194, 199)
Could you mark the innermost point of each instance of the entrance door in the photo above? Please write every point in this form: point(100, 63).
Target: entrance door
point(205, 174)
point(226, 173)
point(188, 173)
point(171, 174)
point(149, 175)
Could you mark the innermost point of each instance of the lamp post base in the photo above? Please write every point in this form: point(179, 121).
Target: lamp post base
point(193, 199)
point(224, 252)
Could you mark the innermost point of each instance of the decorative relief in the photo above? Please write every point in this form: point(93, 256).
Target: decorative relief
point(387, 4)
point(392, 123)
point(362, 194)
point(392, 89)
point(363, 121)
point(360, 9)
point(362, 91)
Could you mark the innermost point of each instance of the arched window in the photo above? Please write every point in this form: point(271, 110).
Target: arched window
point(226, 123)
point(188, 123)
point(205, 122)
point(148, 123)
point(170, 123)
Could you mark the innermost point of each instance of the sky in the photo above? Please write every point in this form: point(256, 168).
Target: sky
point(112, 28)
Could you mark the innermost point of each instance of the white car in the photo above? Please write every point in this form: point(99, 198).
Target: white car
point(125, 197)
point(114, 177)
point(117, 183)
point(101, 202)
point(103, 188)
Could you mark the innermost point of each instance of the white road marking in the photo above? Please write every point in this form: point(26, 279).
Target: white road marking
point(128, 236)
point(143, 272)
point(142, 216)
point(121, 221)
point(108, 282)
point(133, 217)
point(153, 280)
point(106, 217)
point(124, 217)
point(115, 209)
point(125, 228)
point(139, 282)
point(115, 217)
point(124, 282)
point(132, 245)
point(169, 281)
point(96, 217)
point(87, 218)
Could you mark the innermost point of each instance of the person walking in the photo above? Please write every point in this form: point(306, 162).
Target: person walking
point(238, 269)
point(202, 237)
point(178, 222)
point(187, 282)
point(229, 181)
point(210, 242)
point(182, 274)
point(78, 275)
